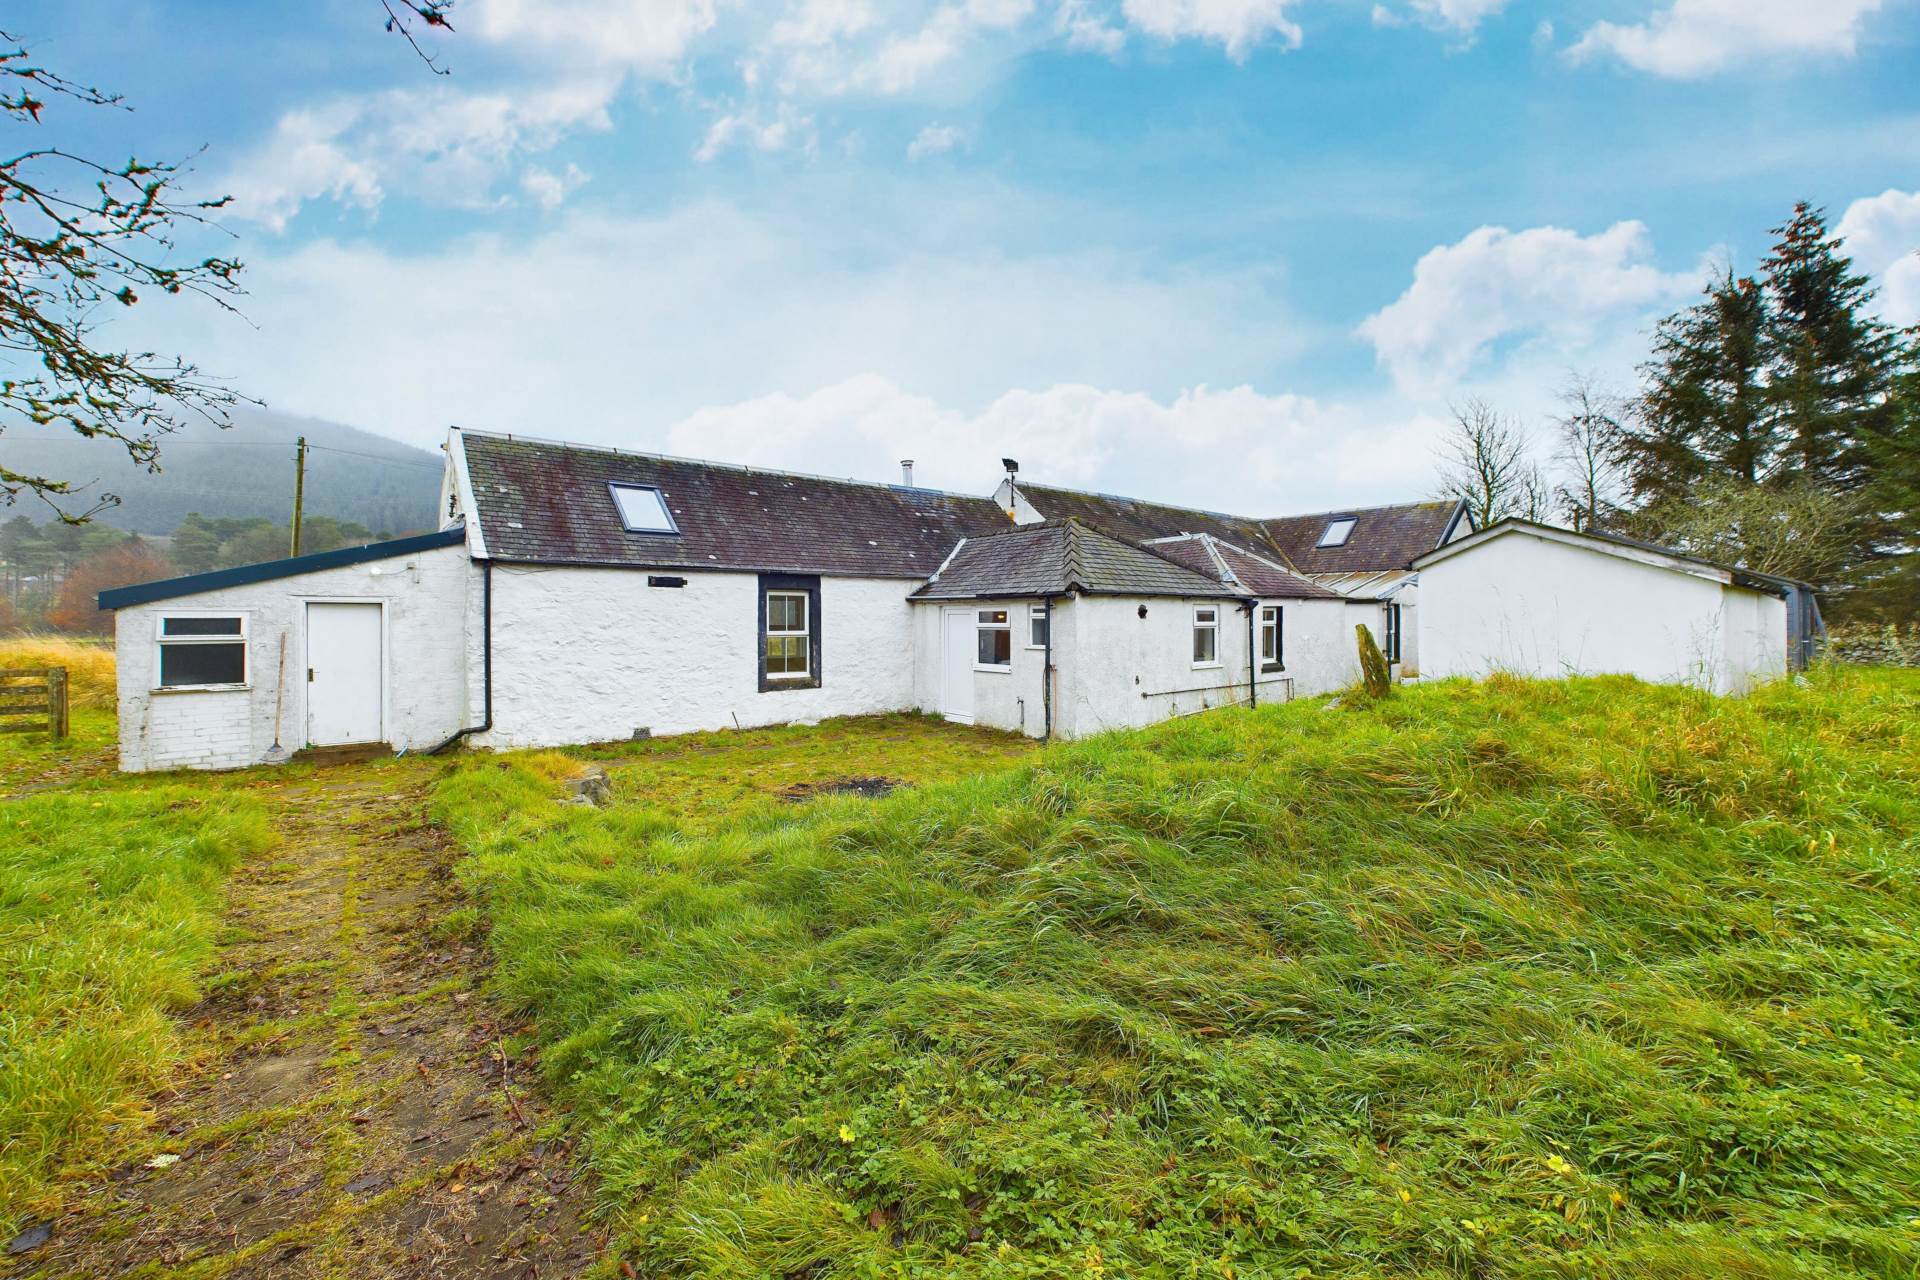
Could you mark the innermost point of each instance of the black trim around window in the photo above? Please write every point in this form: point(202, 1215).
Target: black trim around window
point(810, 584)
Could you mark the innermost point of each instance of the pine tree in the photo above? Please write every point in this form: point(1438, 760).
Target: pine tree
point(1702, 414)
point(1831, 365)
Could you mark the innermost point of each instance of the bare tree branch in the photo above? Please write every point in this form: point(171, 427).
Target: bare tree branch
point(1487, 460)
point(402, 14)
point(1589, 433)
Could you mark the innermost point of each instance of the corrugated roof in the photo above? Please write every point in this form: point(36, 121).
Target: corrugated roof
point(1382, 537)
point(1206, 554)
point(1059, 556)
point(545, 502)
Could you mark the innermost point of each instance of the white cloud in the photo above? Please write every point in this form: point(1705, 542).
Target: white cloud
point(1882, 235)
point(786, 128)
point(1087, 31)
point(444, 146)
point(550, 190)
point(1498, 286)
point(934, 140)
point(1464, 16)
point(1237, 25)
point(650, 37)
point(1288, 452)
point(1698, 37)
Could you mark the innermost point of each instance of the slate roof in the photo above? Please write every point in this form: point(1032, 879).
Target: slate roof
point(1059, 556)
point(1237, 566)
point(1382, 538)
point(545, 502)
point(1133, 520)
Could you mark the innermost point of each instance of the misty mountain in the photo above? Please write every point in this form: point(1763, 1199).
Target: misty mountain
point(243, 471)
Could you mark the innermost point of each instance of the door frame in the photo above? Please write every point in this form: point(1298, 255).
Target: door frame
point(386, 663)
point(972, 703)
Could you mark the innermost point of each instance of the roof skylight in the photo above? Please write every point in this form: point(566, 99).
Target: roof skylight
point(643, 508)
point(1337, 532)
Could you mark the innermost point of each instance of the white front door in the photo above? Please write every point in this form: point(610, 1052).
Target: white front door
point(959, 644)
point(343, 674)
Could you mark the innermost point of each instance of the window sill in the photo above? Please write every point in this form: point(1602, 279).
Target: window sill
point(1268, 668)
point(1207, 666)
point(777, 684)
point(200, 688)
point(998, 671)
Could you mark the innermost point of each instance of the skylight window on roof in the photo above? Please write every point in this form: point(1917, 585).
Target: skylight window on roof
point(643, 508)
point(1337, 532)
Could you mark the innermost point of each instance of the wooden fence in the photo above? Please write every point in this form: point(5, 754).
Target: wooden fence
point(34, 700)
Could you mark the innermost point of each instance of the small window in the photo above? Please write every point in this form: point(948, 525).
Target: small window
point(789, 637)
point(1392, 646)
point(200, 651)
point(1273, 647)
point(1337, 532)
point(643, 508)
point(1206, 636)
point(996, 640)
point(1036, 626)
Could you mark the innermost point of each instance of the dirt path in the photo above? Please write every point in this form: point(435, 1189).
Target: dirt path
point(362, 1115)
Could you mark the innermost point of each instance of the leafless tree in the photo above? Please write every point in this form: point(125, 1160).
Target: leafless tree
point(1487, 460)
point(1801, 530)
point(1588, 430)
point(79, 239)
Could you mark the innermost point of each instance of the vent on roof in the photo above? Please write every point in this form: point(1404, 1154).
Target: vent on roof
point(1337, 532)
point(642, 508)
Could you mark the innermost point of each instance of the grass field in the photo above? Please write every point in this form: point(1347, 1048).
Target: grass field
point(109, 902)
point(1581, 979)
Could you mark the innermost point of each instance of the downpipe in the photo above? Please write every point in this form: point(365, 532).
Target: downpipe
point(486, 659)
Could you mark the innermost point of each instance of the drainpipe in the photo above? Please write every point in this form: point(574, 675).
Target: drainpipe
point(486, 658)
point(1253, 659)
point(1046, 677)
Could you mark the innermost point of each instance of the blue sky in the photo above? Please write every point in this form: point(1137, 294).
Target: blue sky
point(1238, 253)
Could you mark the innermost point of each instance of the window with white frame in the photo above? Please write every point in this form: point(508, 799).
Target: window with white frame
point(201, 650)
point(1273, 643)
point(789, 636)
point(1206, 636)
point(1337, 532)
point(1036, 626)
point(995, 630)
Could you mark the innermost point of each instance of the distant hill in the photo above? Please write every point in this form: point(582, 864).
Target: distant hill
point(243, 471)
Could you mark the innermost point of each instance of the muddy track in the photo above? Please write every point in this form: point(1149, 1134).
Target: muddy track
point(361, 1111)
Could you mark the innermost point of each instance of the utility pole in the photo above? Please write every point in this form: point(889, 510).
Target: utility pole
point(299, 490)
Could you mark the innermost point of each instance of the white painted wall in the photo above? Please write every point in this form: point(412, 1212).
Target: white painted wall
point(591, 655)
point(1011, 700)
point(229, 728)
point(1537, 607)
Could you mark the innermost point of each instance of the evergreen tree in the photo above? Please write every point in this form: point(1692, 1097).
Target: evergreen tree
point(1702, 413)
point(196, 544)
point(1831, 365)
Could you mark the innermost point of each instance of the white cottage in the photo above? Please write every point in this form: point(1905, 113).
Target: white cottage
point(582, 594)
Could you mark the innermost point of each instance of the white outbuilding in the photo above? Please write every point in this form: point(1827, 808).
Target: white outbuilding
point(1534, 600)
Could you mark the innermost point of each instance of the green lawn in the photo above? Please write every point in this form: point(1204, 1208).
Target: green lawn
point(1581, 979)
point(109, 905)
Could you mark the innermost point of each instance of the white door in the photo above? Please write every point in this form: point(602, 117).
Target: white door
point(343, 673)
point(957, 650)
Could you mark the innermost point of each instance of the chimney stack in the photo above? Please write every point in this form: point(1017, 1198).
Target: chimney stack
point(906, 472)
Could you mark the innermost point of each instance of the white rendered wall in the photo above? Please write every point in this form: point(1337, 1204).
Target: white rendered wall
point(422, 698)
point(1011, 700)
point(1116, 655)
point(1320, 652)
point(591, 655)
point(1541, 608)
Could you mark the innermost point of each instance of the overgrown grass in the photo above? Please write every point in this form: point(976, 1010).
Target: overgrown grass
point(1582, 979)
point(89, 664)
point(109, 905)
